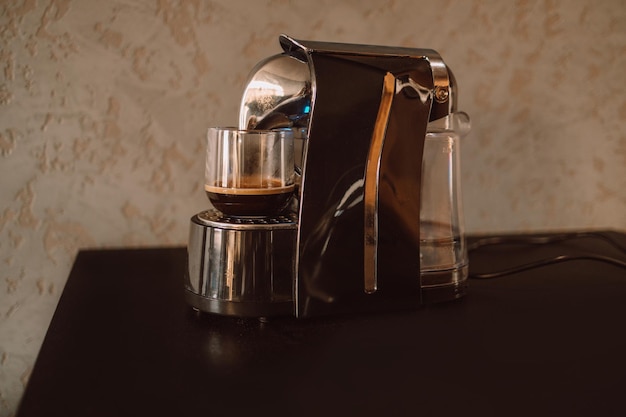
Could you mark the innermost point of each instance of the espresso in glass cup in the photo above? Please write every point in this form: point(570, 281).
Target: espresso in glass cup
point(249, 173)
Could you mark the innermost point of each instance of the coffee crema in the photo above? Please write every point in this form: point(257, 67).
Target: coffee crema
point(250, 201)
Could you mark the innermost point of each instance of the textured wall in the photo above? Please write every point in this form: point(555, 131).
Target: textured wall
point(104, 106)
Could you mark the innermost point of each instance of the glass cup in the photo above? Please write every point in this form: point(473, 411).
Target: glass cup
point(443, 252)
point(249, 173)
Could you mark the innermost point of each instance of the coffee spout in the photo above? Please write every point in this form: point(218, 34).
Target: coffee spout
point(277, 95)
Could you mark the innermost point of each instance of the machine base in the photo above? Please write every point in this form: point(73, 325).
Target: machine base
point(239, 309)
point(241, 267)
point(445, 285)
point(442, 294)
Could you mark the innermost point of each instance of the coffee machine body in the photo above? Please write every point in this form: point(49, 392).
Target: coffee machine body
point(355, 237)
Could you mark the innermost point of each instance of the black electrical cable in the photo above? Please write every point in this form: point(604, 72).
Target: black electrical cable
point(549, 261)
point(543, 240)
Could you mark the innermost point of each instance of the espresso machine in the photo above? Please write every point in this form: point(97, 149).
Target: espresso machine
point(373, 219)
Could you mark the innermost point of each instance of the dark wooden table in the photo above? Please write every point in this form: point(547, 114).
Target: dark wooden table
point(549, 341)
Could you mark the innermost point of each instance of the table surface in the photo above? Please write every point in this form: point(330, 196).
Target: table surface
point(548, 341)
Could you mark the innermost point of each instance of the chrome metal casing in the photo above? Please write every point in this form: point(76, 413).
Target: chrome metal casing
point(241, 267)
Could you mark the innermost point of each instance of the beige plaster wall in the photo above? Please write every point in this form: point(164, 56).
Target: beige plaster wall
point(104, 106)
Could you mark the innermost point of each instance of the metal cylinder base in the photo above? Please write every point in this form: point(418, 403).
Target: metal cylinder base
point(241, 266)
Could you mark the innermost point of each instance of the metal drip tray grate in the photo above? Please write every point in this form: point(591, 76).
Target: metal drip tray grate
point(215, 218)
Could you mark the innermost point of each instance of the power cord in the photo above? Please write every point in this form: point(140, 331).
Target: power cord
point(543, 240)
